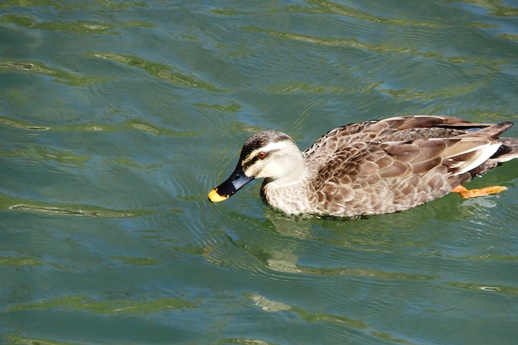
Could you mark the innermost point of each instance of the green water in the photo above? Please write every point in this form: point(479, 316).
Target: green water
point(118, 117)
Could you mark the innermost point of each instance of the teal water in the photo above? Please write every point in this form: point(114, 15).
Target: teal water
point(118, 117)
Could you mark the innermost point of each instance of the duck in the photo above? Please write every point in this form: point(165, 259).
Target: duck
point(371, 167)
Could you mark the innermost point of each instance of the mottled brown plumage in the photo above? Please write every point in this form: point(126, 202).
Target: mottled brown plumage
point(371, 167)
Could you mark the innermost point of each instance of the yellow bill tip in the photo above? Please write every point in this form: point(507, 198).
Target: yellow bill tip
point(215, 197)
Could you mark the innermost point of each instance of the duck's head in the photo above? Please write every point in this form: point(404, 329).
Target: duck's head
point(267, 154)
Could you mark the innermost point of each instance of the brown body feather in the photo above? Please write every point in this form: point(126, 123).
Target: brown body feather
point(395, 164)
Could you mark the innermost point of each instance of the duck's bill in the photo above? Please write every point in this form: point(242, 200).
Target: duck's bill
point(228, 188)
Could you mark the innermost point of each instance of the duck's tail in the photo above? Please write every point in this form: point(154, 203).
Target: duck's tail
point(507, 151)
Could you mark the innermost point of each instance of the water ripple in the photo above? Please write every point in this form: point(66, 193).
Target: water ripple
point(272, 306)
point(20, 261)
point(508, 290)
point(358, 272)
point(43, 153)
point(245, 341)
point(161, 71)
point(60, 76)
point(78, 27)
point(20, 205)
point(85, 303)
point(134, 124)
point(15, 339)
point(356, 43)
point(496, 8)
point(331, 8)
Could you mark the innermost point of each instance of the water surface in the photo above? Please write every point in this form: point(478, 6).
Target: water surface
point(117, 118)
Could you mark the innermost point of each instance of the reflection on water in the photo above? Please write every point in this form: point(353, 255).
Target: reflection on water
point(111, 307)
point(58, 76)
point(158, 70)
point(117, 117)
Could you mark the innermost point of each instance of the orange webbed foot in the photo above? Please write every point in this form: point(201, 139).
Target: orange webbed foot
point(473, 193)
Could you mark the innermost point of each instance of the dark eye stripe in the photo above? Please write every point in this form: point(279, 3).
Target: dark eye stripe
point(251, 161)
point(256, 158)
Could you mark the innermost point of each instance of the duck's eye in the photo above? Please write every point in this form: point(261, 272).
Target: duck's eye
point(262, 155)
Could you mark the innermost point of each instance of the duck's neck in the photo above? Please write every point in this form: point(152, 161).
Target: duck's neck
point(291, 192)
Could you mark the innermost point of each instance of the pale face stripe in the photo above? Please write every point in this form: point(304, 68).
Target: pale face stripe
point(268, 148)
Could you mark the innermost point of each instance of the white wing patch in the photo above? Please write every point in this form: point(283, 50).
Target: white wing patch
point(483, 154)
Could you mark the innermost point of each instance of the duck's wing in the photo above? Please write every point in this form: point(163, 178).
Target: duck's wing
point(398, 163)
point(394, 128)
point(397, 130)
